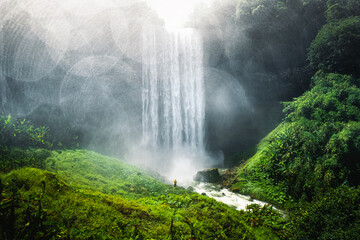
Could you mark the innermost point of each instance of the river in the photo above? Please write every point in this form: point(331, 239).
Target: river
point(223, 195)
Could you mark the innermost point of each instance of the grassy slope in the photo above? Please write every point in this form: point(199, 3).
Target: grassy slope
point(259, 189)
point(85, 195)
point(90, 170)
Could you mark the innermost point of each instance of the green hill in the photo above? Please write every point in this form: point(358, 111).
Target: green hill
point(314, 149)
point(84, 195)
point(311, 161)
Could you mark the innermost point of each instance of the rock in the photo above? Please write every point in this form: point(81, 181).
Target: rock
point(235, 190)
point(209, 175)
point(219, 195)
point(190, 188)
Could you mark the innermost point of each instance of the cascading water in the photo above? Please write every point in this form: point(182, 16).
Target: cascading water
point(173, 105)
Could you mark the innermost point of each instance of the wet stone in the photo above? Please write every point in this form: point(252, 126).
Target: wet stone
point(211, 175)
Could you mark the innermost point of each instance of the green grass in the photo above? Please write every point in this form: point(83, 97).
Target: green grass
point(58, 210)
point(262, 189)
point(89, 170)
point(85, 195)
point(262, 147)
point(79, 194)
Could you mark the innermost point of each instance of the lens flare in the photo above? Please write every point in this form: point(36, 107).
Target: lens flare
point(176, 12)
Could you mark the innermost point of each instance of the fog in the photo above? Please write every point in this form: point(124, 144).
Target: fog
point(79, 66)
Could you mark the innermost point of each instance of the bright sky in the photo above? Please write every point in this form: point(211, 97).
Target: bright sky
point(175, 12)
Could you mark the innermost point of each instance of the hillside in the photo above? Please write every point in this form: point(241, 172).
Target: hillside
point(309, 163)
point(80, 194)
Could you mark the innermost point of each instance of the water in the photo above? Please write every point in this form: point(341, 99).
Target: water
point(173, 105)
point(223, 195)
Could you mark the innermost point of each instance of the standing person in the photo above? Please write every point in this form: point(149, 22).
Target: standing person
point(175, 183)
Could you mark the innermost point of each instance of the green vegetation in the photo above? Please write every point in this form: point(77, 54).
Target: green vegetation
point(36, 204)
point(310, 163)
point(332, 215)
point(79, 194)
point(278, 27)
point(317, 146)
point(337, 47)
point(340, 9)
point(93, 171)
point(21, 133)
point(251, 180)
point(22, 144)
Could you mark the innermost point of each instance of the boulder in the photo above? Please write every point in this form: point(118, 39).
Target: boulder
point(209, 175)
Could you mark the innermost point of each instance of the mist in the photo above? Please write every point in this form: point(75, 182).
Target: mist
point(79, 69)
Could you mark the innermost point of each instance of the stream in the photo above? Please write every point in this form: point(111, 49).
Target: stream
point(238, 201)
point(235, 200)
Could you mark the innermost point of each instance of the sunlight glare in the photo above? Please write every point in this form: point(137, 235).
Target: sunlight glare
point(175, 12)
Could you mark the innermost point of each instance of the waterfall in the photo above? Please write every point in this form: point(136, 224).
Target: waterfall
point(173, 105)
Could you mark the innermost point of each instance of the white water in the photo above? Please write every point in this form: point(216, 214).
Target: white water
point(223, 195)
point(173, 105)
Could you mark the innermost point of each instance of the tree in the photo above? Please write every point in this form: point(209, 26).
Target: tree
point(336, 48)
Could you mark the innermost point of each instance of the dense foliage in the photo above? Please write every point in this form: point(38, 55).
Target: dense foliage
point(333, 215)
point(21, 143)
point(318, 145)
point(310, 162)
point(24, 144)
point(337, 47)
point(340, 9)
point(21, 133)
point(279, 28)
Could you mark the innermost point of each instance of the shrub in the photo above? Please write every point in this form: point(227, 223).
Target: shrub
point(21, 143)
point(332, 215)
point(21, 133)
